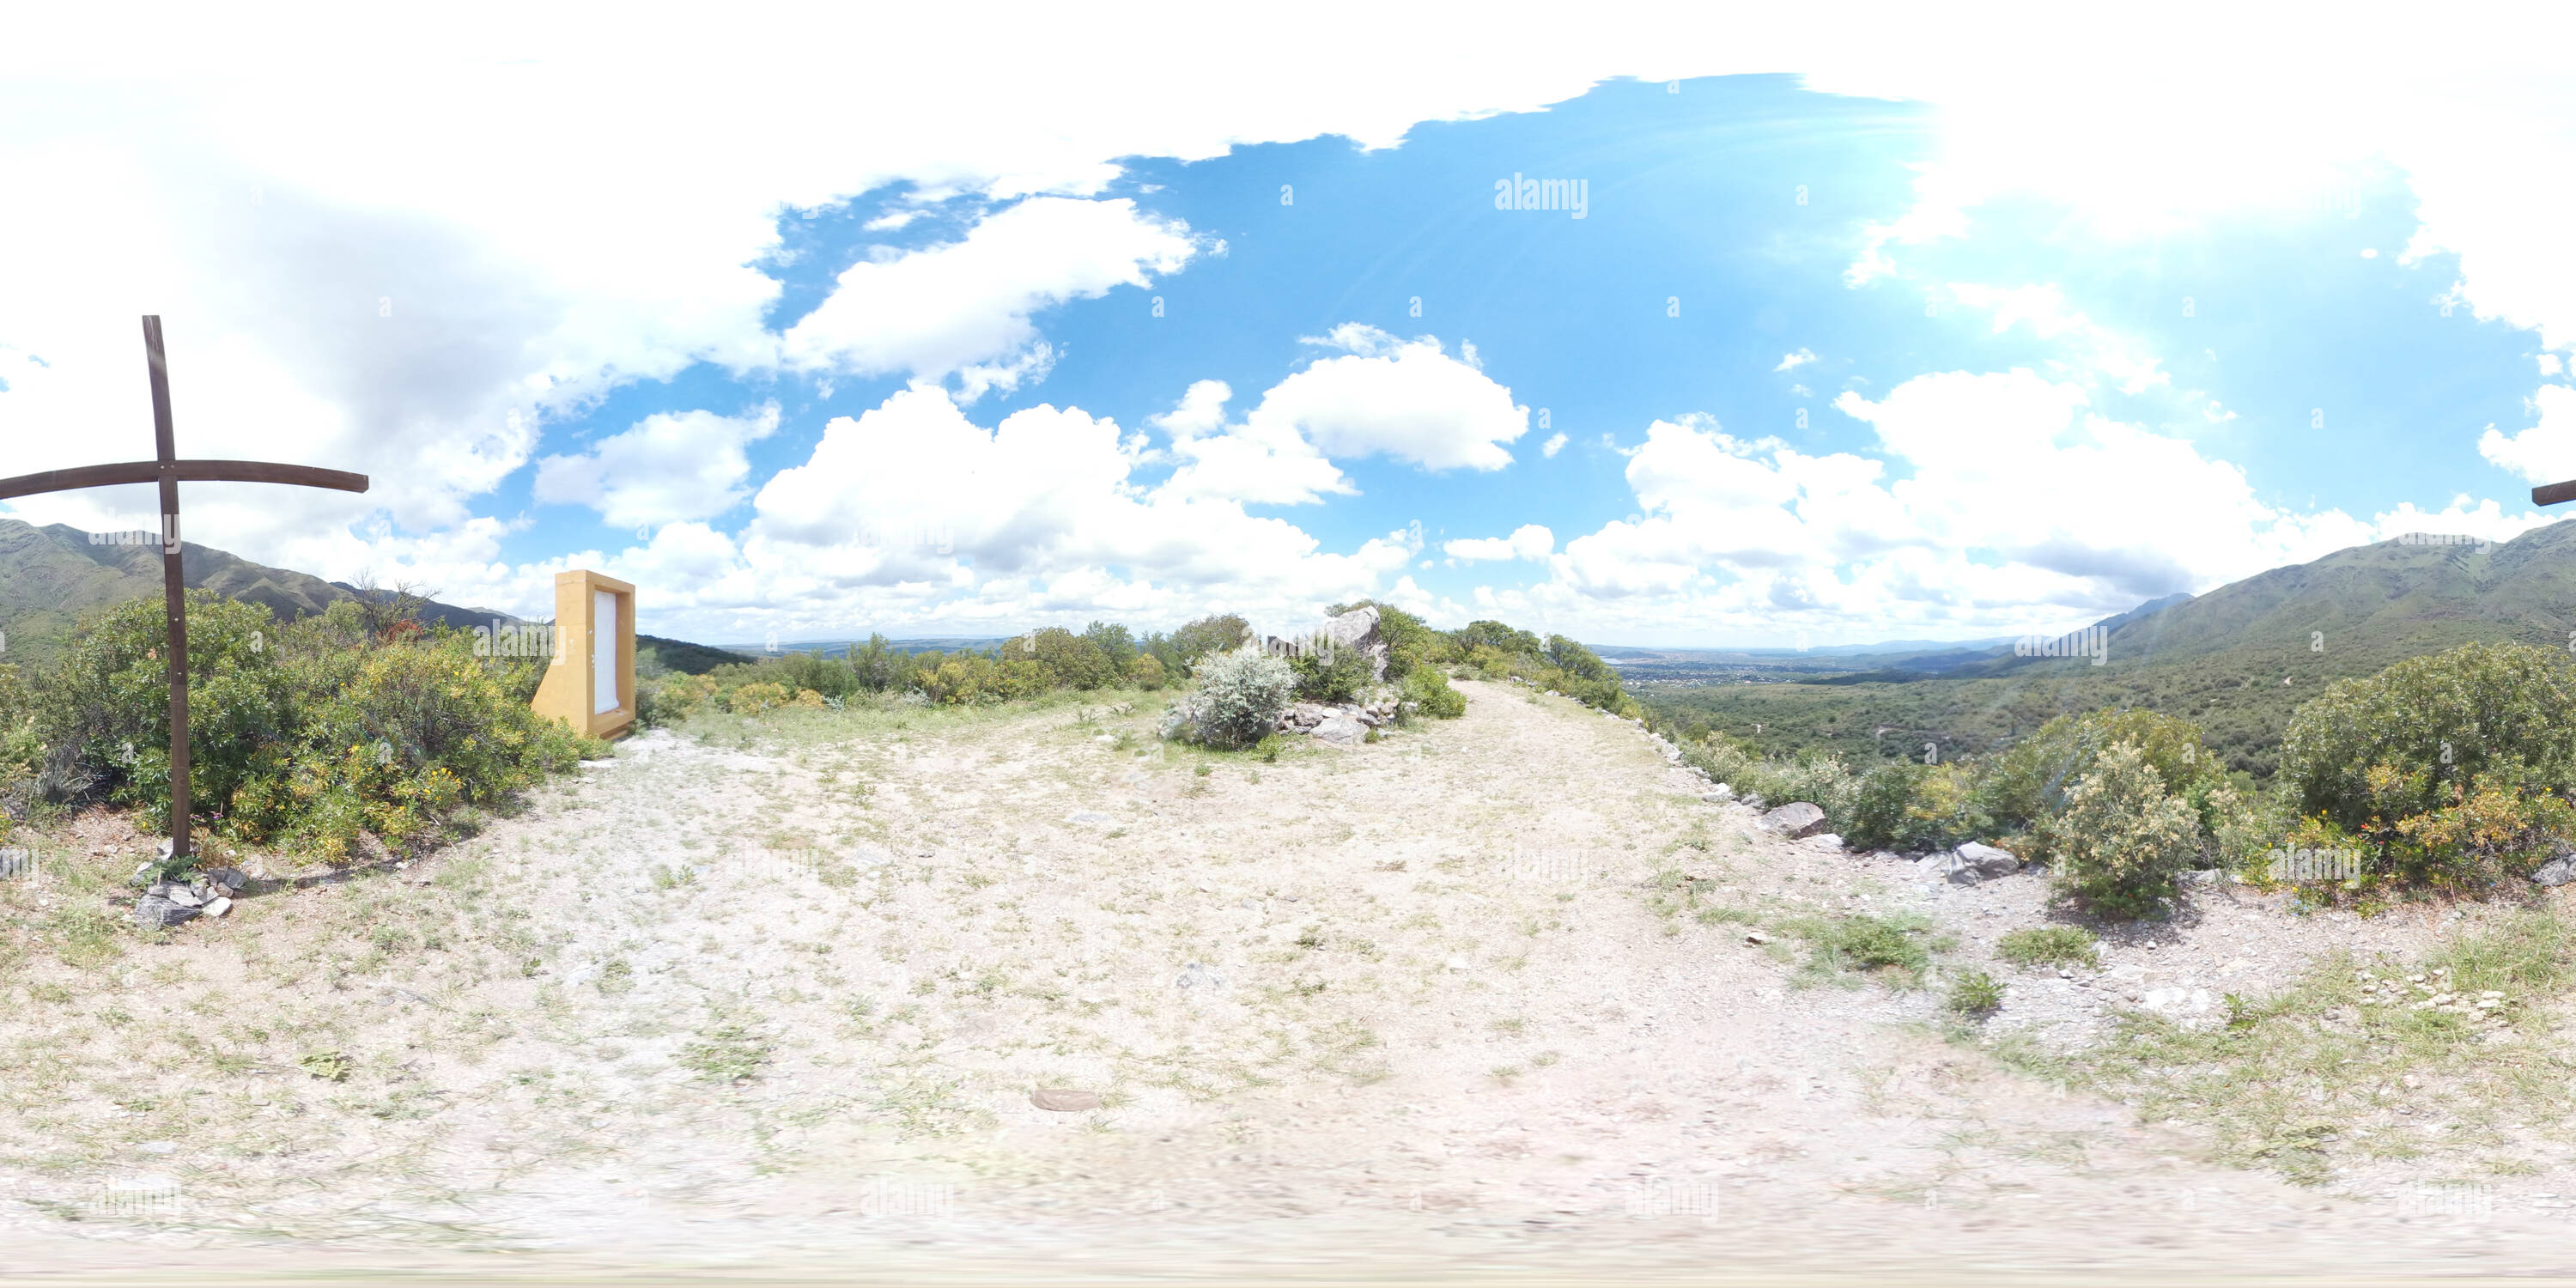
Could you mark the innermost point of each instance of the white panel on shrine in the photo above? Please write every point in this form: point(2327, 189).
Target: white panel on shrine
point(603, 652)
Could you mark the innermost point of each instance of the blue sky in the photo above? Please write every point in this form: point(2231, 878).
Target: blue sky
point(1811, 367)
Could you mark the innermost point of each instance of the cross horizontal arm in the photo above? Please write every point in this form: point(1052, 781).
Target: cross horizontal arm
point(2553, 493)
point(182, 471)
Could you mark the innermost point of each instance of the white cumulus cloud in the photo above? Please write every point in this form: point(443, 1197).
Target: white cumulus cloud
point(2546, 452)
point(963, 307)
point(1529, 541)
point(1402, 398)
point(671, 466)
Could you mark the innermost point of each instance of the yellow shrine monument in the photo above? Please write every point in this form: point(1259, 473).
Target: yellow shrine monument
point(591, 685)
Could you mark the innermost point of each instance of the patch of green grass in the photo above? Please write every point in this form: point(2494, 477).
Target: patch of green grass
point(726, 1053)
point(2309, 1078)
point(329, 1066)
point(1898, 947)
point(1975, 993)
point(2050, 946)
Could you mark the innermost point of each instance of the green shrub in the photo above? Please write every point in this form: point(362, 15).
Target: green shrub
point(2404, 741)
point(1332, 675)
point(2049, 946)
point(1429, 692)
point(2242, 827)
point(311, 733)
point(2453, 769)
point(1909, 806)
point(2030, 780)
point(1237, 701)
point(1823, 781)
point(2121, 842)
point(106, 709)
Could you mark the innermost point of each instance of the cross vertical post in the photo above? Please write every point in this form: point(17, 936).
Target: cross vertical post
point(174, 585)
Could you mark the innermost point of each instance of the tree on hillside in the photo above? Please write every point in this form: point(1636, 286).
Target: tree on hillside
point(1498, 637)
point(1212, 634)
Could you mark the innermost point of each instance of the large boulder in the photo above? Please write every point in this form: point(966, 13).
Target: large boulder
point(1354, 630)
point(1337, 727)
point(1797, 819)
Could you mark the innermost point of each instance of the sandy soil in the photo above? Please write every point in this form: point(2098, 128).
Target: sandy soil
point(1408, 1009)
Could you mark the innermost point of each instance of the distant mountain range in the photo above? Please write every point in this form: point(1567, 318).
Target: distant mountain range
point(2238, 659)
point(51, 577)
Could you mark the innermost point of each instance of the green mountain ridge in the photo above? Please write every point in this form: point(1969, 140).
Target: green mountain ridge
point(51, 577)
point(2238, 659)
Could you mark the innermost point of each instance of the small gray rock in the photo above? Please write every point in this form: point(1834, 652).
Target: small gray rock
point(219, 905)
point(231, 879)
point(2556, 872)
point(1988, 861)
point(1825, 841)
point(1064, 1100)
point(153, 910)
point(1719, 794)
point(184, 897)
point(1797, 819)
point(1200, 975)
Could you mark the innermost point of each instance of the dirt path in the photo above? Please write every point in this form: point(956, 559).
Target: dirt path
point(1411, 1007)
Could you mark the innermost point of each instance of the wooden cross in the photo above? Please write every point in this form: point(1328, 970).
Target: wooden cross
point(2553, 493)
point(169, 471)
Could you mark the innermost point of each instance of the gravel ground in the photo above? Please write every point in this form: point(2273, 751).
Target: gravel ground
point(1420, 1007)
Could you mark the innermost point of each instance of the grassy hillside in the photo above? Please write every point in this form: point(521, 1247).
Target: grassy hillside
point(684, 657)
point(2238, 660)
point(51, 577)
